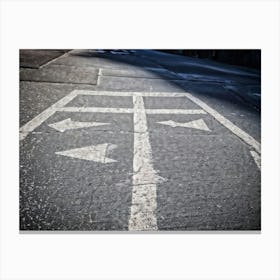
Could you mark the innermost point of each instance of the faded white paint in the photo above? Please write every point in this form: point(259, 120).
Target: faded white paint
point(145, 178)
point(174, 111)
point(130, 94)
point(197, 124)
point(144, 205)
point(97, 110)
point(92, 153)
point(221, 119)
point(129, 110)
point(256, 158)
point(39, 119)
point(68, 124)
point(59, 106)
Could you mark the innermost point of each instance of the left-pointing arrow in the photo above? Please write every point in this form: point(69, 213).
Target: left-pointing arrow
point(93, 153)
point(69, 124)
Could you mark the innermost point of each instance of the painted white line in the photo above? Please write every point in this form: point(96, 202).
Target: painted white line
point(174, 111)
point(129, 110)
point(68, 124)
point(256, 158)
point(144, 204)
point(98, 76)
point(39, 119)
point(92, 153)
point(59, 106)
point(129, 94)
point(55, 59)
point(197, 124)
point(228, 124)
point(96, 110)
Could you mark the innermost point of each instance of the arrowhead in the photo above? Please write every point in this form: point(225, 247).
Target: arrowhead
point(170, 123)
point(69, 124)
point(93, 153)
point(197, 124)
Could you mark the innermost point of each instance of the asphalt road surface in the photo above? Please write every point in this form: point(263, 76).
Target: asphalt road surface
point(138, 140)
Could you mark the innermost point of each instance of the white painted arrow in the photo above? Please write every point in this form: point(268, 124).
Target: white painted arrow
point(94, 153)
point(69, 124)
point(197, 124)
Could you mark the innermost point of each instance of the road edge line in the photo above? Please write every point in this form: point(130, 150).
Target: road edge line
point(43, 116)
point(248, 139)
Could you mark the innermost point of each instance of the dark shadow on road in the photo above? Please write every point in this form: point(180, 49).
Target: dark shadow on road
point(227, 83)
point(234, 91)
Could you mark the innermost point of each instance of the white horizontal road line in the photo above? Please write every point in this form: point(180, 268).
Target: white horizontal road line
point(256, 158)
point(228, 124)
point(128, 110)
point(174, 111)
point(59, 106)
point(119, 93)
point(96, 110)
point(35, 122)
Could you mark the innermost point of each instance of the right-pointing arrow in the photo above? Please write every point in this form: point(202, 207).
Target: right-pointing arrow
point(197, 124)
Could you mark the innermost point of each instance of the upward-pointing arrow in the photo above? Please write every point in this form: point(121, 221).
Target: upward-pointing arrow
point(93, 153)
point(197, 124)
point(69, 124)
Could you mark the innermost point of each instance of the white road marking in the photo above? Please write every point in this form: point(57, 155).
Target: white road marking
point(129, 110)
point(132, 93)
point(98, 76)
point(97, 110)
point(144, 204)
point(55, 59)
point(69, 124)
point(228, 124)
point(59, 106)
point(145, 178)
point(93, 153)
point(174, 111)
point(221, 119)
point(39, 119)
point(30, 126)
point(197, 124)
point(256, 158)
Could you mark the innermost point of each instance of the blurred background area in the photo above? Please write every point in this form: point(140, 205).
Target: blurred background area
point(248, 58)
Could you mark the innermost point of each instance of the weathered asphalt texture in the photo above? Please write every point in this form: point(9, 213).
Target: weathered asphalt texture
point(212, 181)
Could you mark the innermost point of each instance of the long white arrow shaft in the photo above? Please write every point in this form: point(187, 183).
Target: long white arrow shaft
point(142, 216)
